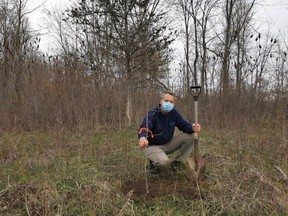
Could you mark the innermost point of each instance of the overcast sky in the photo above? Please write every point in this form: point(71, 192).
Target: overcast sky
point(271, 12)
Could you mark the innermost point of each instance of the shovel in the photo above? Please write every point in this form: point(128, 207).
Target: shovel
point(197, 163)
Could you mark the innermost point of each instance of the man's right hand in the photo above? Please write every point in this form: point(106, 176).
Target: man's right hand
point(143, 143)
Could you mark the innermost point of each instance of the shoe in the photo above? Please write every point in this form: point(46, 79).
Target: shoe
point(151, 168)
point(177, 166)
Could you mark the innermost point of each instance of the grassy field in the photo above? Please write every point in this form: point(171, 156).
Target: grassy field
point(65, 173)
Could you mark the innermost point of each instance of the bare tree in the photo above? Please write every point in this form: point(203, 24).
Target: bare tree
point(134, 36)
point(208, 9)
point(15, 35)
point(231, 32)
point(183, 8)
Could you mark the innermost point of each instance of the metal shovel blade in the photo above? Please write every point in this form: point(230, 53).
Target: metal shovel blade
point(197, 166)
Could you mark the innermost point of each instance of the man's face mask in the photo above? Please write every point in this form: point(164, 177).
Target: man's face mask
point(167, 106)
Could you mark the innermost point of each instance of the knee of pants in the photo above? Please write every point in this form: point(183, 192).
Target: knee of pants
point(188, 138)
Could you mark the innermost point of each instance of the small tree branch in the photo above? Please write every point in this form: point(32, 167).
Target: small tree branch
point(285, 177)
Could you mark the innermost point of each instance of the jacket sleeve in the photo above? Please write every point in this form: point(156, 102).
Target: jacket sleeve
point(182, 124)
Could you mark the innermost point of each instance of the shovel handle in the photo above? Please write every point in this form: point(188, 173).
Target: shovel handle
point(196, 91)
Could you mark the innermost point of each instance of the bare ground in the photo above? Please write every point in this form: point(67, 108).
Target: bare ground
point(151, 187)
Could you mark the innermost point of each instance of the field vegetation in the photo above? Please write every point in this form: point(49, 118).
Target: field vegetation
point(103, 173)
point(69, 115)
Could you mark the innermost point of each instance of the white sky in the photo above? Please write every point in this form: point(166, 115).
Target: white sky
point(274, 13)
point(38, 18)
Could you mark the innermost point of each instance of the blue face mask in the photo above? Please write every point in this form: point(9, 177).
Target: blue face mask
point(167, 106)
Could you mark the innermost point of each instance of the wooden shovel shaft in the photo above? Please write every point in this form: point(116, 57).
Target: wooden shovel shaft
point(196, 141)
point(196, 152)
point(195, 111)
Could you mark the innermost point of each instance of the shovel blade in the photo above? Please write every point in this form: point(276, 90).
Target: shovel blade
point(197, 167)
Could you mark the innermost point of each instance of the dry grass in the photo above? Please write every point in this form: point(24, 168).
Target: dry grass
point(242, 169)
point(63, 173)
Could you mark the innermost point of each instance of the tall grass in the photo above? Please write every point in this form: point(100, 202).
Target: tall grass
point(65, 173)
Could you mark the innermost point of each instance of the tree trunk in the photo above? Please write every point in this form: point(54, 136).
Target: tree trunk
point(227, 44)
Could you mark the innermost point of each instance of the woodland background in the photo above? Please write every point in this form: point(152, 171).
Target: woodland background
point(113, 63)
point(69, 120)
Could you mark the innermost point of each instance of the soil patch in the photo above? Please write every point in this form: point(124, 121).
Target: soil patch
point(158, 186)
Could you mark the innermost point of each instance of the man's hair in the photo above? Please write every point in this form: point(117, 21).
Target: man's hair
point(168, 92)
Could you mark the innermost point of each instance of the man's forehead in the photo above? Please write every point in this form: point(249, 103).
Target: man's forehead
point(168, 97)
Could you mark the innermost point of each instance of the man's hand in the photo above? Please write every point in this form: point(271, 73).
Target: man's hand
point(143, 143)
point(196, 128)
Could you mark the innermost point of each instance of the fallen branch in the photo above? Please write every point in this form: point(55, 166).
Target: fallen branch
point(285, 177)
point(263, 179)
point(129, 202)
